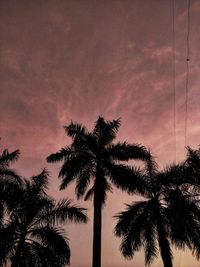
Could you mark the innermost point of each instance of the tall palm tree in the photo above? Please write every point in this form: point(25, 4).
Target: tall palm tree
point(168, 214)
point(93, 159)
point(9, 179)
point(32, 235)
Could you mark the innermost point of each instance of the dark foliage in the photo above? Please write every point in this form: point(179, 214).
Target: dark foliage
point(168, 215)
point(95, 162)
point(31, 235)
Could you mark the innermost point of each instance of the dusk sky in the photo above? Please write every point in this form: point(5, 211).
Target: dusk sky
point(76, 60)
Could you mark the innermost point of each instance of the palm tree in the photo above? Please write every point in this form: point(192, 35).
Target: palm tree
point(9, 179)
point(32, 235)
point(167, 215)
point(93, 159)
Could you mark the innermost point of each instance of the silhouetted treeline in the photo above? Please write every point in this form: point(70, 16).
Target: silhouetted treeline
point(167, 216)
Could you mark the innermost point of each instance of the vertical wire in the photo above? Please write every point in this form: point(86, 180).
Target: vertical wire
point(174, 90)
point(174, 76)
point(187, 80)
point(187, 72)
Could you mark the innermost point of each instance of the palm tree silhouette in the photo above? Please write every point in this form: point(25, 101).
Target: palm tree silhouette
point(93, 156)
point(32, 235)
point(9, 179)
point(168, 213)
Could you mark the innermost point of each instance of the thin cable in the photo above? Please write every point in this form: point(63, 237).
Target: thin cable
point(174, 75)
point(187, 71)
point(174, 91)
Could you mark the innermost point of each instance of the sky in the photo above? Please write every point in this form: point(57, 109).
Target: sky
point(63, 61)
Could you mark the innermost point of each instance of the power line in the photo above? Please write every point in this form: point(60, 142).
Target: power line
point(174, 89)
point(187, 71)
point(174, 75)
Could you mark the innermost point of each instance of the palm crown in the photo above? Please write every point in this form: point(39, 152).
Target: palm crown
point(167, 214)
point(32, 235)
point(93, 154)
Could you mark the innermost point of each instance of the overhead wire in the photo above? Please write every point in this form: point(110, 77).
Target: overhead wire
point(174, 77)
point(186, 81)
point(187, 71)
point(174, 92)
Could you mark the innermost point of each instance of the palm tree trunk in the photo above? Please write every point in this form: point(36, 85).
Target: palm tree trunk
point(15, 259)
point(165, 253)
point(97, 232)
point(97, 221)
point(164, 245)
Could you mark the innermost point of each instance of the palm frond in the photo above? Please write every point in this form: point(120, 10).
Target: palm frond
point(43, 256)
point(150, 239)
point(193, 157)
point(82, 182)
point(8, 235)
point(128, 216)
point(6, 158)
point(64, 211)
point(184, 215)
point(74, 167)
point(125, 152)
point(36, 211)
point(55, 240)
point(133, 239)
point(105, 131)
point(174, 175)
point(89, 193)
point(75, 130)
point(40, 181)
point(151, 171)
point(129, 179)
point(81, 138)
point(63, 154)
point(193, 166)
point(10, 176)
